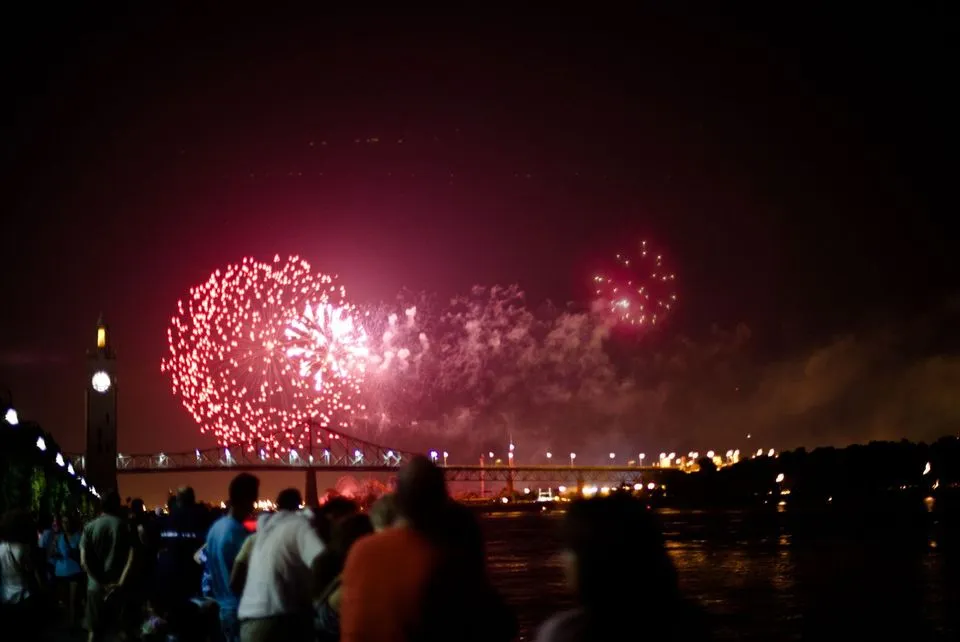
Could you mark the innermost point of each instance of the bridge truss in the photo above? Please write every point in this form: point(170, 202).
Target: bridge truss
point(334, 451)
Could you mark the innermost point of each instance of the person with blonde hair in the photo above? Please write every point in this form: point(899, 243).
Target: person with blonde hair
point(384, 513)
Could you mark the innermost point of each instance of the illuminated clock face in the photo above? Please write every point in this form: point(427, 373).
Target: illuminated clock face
point(101, 381)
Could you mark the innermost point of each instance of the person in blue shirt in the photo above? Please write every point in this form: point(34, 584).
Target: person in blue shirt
point(67, 566)
point(224, 541)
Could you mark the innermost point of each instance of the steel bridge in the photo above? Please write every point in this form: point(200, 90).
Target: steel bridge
point(337, 452)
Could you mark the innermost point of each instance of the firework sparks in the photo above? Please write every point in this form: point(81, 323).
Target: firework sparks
point(261, 349)
point(638, 290)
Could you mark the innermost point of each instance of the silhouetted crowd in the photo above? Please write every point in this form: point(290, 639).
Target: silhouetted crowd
point(410, 568)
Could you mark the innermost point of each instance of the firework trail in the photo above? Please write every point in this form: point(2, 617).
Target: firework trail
point(260, 349)
point(636, 290)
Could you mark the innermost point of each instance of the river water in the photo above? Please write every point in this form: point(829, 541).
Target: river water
point(756, 583)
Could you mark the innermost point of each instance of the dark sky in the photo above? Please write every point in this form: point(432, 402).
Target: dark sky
point(793, 167)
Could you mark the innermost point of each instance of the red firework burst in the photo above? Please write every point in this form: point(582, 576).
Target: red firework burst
point(637, 290)
point(261, 349)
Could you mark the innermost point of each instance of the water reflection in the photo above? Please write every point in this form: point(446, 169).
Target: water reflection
point(758, 579)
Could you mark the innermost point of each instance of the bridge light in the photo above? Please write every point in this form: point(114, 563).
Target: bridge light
point(83, 482)
point(526, 491)
point(293, 455)
point(613, 455)
point(638, 487)
point(771, 452)
point(926, 469)
point(549, 455)
point(357, 454)
point(511, 447)
point(197, 453)
point(490, 454)
point(11, 417)
point(70, 469)
point(433, 455)
point(643, 456)
point(780, 478)
point(41, 444)
point(389, 454)
point(651, 486)
point(263, 455)
point(445, 455)
point(710, 454)
point(59, 460)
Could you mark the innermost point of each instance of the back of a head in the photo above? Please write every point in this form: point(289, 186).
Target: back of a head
point(17, 526)
point(112, 504)
point(337, 508)
point(289, 499)
point(383, 513)
point(186, 497)
point(421, 492)
point(347, 531)
point(615, 539)
point(243, 491)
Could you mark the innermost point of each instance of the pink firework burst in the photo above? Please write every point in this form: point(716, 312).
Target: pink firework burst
point(638, 289)
point(260, 349)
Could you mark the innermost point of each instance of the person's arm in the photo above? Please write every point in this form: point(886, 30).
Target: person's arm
point(85, 559)
point(238, 575)
point(131, 557)
point(309, 545)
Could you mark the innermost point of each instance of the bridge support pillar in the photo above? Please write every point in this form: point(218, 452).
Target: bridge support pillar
point(310, 496)
point(579, 485)
point(510, 483)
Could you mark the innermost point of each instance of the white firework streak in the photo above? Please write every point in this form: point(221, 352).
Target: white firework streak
point(325, 339)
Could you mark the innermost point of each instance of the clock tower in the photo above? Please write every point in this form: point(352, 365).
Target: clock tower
point(101, 402)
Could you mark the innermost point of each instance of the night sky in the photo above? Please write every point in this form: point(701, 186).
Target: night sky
point(793, 168)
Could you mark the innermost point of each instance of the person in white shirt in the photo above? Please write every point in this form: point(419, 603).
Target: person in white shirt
point(277, 600)
point(19, 578)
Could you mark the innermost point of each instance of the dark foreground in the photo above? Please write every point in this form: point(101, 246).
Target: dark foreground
point(759, 577)
point(760, 581)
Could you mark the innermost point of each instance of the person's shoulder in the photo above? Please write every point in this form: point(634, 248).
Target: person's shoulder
point(369, 545)
point(561, 627)
point(391, 539)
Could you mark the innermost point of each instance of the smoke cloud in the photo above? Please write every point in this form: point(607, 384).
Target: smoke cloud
point(556, 380)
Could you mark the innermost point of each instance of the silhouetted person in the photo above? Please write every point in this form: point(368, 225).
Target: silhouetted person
point(459, 601)
point(383, 513)
point(276, 604)
point(177, 575)
point(619, 570)
point(346, 532)
point(398, 580)
point(20, 576)
point(71, 579)
point(107, 555)
point(224, 541)
point(333, 510)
